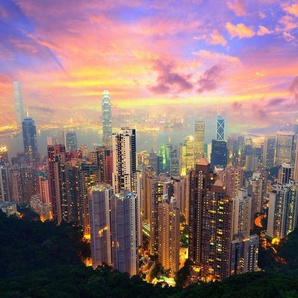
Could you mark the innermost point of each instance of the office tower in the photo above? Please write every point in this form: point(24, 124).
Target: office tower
point(3, 156)
point(233, 179)
point(285, 173)
point(284, 147)
point(219, 153)
point(18, 102)
point(210, 212)
point(71, 141)
point(124, 160)
point(99, 197)
point(30, 141)
point(164, 161)
point(220, 128)
point(4, 184)
point(155, 161)
point(199, 140)
point(61, 138)
point(245, 254)
point(168, 234)
point(242, 206)
point(283, 210)
point(84, 149)
point(187, 155)
point(106, 119)
point(296, 161)
point(124, 227)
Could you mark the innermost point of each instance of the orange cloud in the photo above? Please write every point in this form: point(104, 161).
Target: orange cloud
point(238, 6)
point(240, 30)
point(292, 9)
point(216, 38)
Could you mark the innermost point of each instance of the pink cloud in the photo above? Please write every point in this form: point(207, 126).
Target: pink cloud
point(216, 38)
point(263, 31)
point(238, 6)
point(240, 30)
point(288, 36)
point(292, 9)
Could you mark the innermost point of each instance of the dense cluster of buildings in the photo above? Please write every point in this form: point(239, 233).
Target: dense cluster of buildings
point(121, 196)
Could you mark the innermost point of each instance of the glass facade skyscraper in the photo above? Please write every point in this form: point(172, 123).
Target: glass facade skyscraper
point(30, 141)
point(106, 120)
point(220, 128)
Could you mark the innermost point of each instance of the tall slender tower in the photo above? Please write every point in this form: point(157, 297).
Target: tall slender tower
point(220, 128)
point(124, 159)
point(30, 141)
point(100, 225)
point(106, 119)
point(199, 139)
point(18, 101)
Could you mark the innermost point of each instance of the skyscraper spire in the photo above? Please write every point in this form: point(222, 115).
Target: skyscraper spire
point(106, 119)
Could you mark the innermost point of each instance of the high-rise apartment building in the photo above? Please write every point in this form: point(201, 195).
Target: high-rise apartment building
point(30, 141)
point(5, 195)
point(284, 147)
point(269, 151)
point(169, 234)
point(187, 155)
point(4, 156)
point(124, 160)
point(210, 217)
point(199, 140)
point(124, 227)
point(18, 102)
point(283, 210)
point(71, 141)
point(285, 173)
point(220, 128)
point(106, 120)
point(100, 225)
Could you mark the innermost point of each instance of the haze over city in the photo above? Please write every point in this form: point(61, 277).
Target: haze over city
point(196, 58)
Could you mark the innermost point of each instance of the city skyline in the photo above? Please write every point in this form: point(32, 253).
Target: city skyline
point(241, 62)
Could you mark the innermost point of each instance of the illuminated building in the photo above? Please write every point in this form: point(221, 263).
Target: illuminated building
point(155, 162)
point(283, 147)
point(124, 227)
point(43, 183)
point(285, 173)
point(106, 120)
point(124, 160)
point(220, 128)
point(168, 234)
point(219, 153)
point(30, 141)
point(257, 188)
point(210, 230)
point(71, 141)
point(232, 178)
point(18, 102)
point(3, 156)
point(99, 197)
point(242, 206)
point(187, 155)
point(4, 184)
point(269, 151)
point(164, 159)
point(9, 208)
point(41, 208)
point(245, 254)
point(296, 161)
point(199, 140)
point(283, 210)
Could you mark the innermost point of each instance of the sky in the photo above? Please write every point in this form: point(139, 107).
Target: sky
point(238, 58)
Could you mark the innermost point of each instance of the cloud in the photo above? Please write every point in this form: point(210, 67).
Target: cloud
point(240, 30)
point(288, 36)
point(218, 57)
point(263, 31)
point(238, 6)
point(294, 88)
point(292, 9)
point(210, 79)
point(216, 38)
point(168, 80)
point(287, 22)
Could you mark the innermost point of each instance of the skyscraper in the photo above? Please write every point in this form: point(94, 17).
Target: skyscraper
point(199, 140)
point(106, 119)
point(296, 161)
point(18, 102)
point(219, 153)
point(220, 128)
point(187, 161)
point(71, 140)
point(124, 160)
point(284, 147)
point(30, 141)
point(124, 227)
point(100, 225)
point(268, 153)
